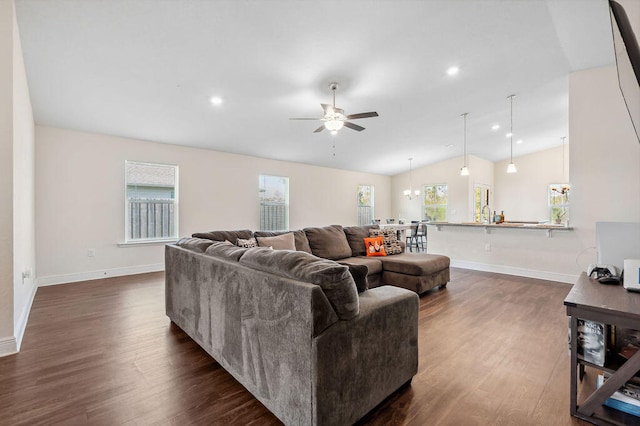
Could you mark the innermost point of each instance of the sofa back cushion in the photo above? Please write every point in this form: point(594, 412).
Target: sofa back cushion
point(356, 235)
point(199, 245)
point(328, 242)
point(300, 238)
point(232, 236)
point(226, 250)
point(334, 279)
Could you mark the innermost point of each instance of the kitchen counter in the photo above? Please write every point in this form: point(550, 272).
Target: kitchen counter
point(505, 225)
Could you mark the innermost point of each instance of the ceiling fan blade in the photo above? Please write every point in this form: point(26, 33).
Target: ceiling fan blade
point(362, 115)
point(328, 109)
point(305, 119)
point(319, 129)
point(353, 126)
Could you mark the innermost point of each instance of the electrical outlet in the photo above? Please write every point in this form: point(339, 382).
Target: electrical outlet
point(487, 247)
point(91, 252)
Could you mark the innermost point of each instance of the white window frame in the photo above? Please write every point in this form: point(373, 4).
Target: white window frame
point(479, 204)
point(173, 229)
point(424, 200)
point(362, 205)
point(263, 225)
point(554, 192)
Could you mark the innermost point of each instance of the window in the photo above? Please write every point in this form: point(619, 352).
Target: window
point(435, 202)
point(365, 204)
point(151, 201)
point(480, 199)
point(274, 203)
point(559, 203)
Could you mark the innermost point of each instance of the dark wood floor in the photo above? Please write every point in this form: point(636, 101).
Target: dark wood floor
point(493, 351)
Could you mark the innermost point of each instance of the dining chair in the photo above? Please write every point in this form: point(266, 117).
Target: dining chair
point(412, 238)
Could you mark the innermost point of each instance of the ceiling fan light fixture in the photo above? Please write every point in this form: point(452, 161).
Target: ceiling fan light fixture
point(334, 125)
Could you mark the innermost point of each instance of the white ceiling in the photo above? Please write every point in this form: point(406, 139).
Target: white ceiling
point(146, 69)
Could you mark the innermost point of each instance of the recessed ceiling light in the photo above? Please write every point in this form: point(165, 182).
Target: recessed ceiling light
point(495, 127)
point(519, 141)
point(453, 70)
point(216, 100)
point(508, 135)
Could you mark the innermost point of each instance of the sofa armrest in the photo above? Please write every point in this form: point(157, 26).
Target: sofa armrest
point(362, 361)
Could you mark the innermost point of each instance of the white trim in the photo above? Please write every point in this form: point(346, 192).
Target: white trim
point(96, 275)
point(520, 272)
point(8, 346)
point(21, 326)
point(134, 243)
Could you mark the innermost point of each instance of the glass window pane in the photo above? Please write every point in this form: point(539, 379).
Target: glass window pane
point(151, 210)
point(274, 203)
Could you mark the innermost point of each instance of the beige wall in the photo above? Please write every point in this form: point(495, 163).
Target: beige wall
point(24, 247)
point(605, 154)
point(7, 340)
point(17, 245)
point(80, 199)
point(524, 195)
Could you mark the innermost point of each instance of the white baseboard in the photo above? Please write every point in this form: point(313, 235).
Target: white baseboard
point(21, 326)
point(8, 346)
point(96, 275)
point(510, 270)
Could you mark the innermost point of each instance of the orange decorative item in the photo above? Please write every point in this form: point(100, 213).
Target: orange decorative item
point(375, 246)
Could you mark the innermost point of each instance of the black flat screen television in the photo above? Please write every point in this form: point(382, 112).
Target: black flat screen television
point(627, 53)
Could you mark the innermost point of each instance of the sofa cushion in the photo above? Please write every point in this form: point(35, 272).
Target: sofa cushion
point(224, 235)
point(246, 243)
point(359, 273)
point(302, 244)
point(375, 246)
point(334, 279)
point(198, 245)
point(415, 263)
point(391, 243)
point(374, 265)
point(329, 242)
point(278, 242)
point(226, 250)
point(356, 235)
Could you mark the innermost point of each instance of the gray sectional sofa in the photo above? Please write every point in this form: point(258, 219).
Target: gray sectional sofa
point(312, 331)
point(418, 272)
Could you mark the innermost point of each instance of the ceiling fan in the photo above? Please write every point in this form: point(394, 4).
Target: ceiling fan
point(334, 118)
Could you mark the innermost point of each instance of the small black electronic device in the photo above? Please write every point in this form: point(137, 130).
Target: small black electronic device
point(605, 274)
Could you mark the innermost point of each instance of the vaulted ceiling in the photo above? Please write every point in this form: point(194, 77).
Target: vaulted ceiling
point(147, 69)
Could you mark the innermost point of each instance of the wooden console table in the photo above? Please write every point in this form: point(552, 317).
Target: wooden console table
point(608, 304)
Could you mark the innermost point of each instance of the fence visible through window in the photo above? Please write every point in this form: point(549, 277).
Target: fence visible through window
point(273, 217)
point(364, 215)
point(150, 219)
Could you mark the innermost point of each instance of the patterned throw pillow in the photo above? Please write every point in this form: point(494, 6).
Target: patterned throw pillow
point(375, 246)
point(391, 243)
point(248, 243)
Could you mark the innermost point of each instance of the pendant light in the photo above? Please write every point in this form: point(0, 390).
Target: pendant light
point(410, 193)
point(511, 168)
point(464, 171)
